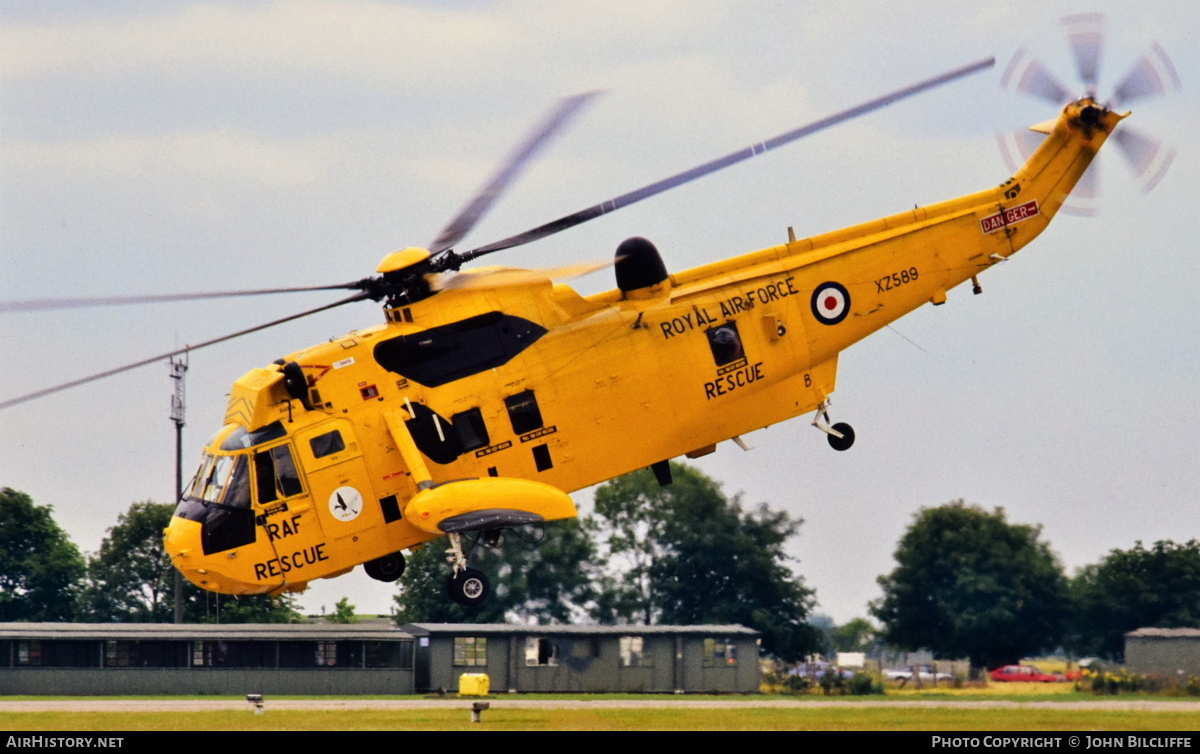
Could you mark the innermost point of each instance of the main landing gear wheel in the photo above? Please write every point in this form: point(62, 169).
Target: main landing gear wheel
point(469, 587)
point(846, 440)
point(387, 568)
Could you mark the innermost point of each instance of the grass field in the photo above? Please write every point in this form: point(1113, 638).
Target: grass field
point(859, 717)
point(1016, 707)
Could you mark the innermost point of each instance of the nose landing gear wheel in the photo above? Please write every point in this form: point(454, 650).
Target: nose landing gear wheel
point(469, 587)
point(387, 568)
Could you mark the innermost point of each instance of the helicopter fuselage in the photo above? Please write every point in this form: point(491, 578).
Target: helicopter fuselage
point(495, 400)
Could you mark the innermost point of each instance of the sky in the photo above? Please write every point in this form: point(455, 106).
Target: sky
point(153, 148)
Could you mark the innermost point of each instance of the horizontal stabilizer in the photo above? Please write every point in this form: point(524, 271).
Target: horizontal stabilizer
point(1045, 127)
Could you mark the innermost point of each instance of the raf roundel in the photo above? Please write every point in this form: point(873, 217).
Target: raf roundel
point(830, 303)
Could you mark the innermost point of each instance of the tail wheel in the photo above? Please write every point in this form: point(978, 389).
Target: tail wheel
point(469, 587)
point(388, 568)
point(846, 440)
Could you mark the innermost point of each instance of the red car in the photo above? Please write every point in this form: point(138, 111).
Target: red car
point(1026, 674)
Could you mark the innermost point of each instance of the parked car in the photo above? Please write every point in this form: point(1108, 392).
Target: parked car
point(818, 670)
point(1025, 674)
point(924, 673)
point(1083, 664)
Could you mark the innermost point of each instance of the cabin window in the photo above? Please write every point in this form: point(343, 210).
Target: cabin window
point(470, 651)
point(633, 653)
point(472, 432)
point(523, 412)
point(541, 458)
point(726, 344)
point(327, 444)
point(540, 651)
point(390, 506)
point(433, 435)
point(719, 653)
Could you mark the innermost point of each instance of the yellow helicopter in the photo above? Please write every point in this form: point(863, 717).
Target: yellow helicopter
point(489, 394)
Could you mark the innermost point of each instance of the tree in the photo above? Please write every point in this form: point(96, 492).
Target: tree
point(823, 627)
point(692, 556)
point(40, 568)
point(343, 612)
point(856, 636)
point(545, 579)
point(253, 608)
point(969, 584)
point(131, 579)
point(1157, 587)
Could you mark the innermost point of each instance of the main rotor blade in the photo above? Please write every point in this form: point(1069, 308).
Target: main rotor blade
point(731, 159)
point(1085, 33)
point(46, 304)
point(559, 116)
point(176, 352)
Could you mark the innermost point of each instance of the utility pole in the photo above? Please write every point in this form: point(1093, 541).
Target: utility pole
point(178, 370)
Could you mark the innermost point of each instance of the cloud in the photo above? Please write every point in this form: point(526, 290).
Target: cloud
point(371, 39)
point(211, 155)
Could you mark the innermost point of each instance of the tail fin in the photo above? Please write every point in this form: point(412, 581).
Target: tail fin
point(1056, 167)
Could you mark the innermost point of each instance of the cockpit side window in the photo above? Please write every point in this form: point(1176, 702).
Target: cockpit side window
point(219, 499)
point(275, 474)
point(196, 488)
point(228, 520)
point(237, 495)
point(217, 478)
point(264, 478)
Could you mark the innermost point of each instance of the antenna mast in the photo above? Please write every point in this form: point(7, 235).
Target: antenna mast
point(179, 369)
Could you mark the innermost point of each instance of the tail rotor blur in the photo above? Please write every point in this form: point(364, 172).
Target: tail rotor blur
point(1151, 76)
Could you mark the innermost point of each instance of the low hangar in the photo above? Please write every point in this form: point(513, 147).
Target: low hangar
point(371, 658)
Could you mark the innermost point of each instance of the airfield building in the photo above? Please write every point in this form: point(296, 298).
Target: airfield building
point(370, 658)
point(1172, 652)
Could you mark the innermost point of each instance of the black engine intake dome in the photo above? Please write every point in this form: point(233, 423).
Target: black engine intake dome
point(639, 265)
